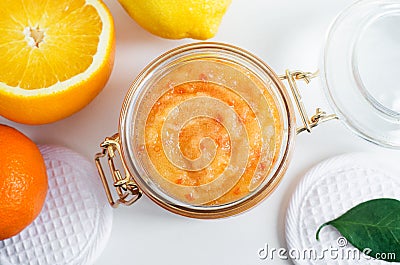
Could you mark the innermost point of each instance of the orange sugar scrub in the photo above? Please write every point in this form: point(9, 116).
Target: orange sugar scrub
point(210, 144)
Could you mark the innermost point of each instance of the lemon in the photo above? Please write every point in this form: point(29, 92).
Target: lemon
point(177, 19)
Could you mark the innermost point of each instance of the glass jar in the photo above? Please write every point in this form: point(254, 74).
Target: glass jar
point(206, 131)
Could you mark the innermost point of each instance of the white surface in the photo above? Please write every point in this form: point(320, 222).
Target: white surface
point(75, 221)
point(327, 191)
point(284, 33)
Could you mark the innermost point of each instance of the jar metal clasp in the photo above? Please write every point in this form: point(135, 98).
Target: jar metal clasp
point(127, 189)
point(320, 115)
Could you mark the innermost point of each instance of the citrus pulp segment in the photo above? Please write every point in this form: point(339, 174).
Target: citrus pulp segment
point(55, 57)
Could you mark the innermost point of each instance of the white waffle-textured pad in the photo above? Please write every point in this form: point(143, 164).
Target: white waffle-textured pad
point(75, 221)
point(327, 191)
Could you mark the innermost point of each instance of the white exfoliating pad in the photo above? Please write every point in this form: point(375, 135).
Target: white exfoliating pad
point(75, 222)
point(327, 191)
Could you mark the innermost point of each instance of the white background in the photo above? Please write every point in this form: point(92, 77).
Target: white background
point(284, 33)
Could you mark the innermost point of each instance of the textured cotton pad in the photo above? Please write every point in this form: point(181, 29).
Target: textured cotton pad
point(329, 190)
point(75, 222)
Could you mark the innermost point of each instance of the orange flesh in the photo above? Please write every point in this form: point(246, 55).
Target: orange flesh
point(45, 42)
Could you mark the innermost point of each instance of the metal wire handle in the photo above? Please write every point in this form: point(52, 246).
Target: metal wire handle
point(127, 190)
point(320, 116)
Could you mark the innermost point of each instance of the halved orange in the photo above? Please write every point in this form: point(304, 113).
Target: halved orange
point(55, 57)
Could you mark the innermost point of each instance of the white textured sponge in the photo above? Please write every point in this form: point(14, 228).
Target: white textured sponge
point(327, 191)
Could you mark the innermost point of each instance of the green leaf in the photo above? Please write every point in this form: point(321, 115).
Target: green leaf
point(373, 225)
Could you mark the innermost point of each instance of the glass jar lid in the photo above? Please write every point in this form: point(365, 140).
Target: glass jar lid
point(361, 64)
point(206, 130)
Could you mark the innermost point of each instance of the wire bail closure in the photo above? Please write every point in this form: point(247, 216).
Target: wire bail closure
point(320, 116)
point(127, 189)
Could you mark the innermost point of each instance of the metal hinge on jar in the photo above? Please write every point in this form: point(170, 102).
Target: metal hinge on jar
point(127, 189)
point(320, 115)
